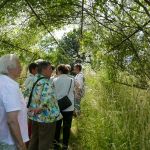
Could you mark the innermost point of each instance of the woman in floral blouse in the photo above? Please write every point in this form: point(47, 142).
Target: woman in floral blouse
point(43, 109)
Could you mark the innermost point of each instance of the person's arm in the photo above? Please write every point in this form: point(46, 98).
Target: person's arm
point(13, 124)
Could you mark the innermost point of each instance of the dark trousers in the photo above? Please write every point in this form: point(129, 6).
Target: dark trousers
point(29, 131)
point(42, 136)
point(67, 120)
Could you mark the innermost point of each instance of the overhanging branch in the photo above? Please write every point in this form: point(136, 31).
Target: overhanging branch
point(132, 85)
point(41, 21)
point(38, 17)
point(129, 36)
point(15, 46)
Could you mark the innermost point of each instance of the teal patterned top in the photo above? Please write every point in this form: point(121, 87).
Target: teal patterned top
point(43, 97)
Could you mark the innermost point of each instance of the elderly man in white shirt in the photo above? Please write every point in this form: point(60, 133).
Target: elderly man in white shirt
point(79, 90)
point(13, 112)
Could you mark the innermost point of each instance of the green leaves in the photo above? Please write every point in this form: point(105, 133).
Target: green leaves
point(20, 26)
point(113, 31)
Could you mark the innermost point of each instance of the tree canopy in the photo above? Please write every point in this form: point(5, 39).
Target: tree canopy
point(116, 32)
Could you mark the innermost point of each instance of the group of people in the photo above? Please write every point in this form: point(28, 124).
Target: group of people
point(37, 109)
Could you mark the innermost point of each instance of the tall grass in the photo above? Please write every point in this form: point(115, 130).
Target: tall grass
point(114, 117)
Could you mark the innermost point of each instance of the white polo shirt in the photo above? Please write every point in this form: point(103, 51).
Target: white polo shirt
point(11, 99)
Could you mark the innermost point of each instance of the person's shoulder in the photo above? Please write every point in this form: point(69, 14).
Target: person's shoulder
point(34, 80)
point(66, 77)
point(80, 74)
point(8, 85)
point(8, 82)
point(30, 77)
point(71, 76)
point(3, 80)
point(42, 80)
point(61, 78)
point(55, 78)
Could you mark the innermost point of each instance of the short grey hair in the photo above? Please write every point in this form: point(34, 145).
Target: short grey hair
point(42, 65)
point(8, 62)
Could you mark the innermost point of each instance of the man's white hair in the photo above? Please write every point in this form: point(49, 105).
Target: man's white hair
point(7, 62)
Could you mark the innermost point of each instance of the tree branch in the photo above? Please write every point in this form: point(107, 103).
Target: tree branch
point(3, 3)
point(15, 46)
point(82, 18)
point(38, 17)
point(40, 20)
point(129, 36)
point(133, 85)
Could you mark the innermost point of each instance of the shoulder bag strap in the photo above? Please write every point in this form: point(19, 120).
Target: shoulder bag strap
point(30, 97)
point(70, 86)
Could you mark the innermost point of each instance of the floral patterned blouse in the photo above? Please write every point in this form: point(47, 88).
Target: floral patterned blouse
point(44, 97)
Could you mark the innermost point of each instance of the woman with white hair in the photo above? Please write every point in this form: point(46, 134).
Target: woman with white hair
point(13, 112)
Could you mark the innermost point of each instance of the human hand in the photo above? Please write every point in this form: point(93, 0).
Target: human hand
point(21, 147)
point(35, 110)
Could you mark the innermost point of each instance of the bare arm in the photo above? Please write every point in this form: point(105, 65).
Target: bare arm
point(15, 129)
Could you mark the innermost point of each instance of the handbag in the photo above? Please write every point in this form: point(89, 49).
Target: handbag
point(30, 97)
point(65, 102)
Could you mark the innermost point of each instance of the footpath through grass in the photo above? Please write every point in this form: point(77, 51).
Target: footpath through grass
point(113, 117)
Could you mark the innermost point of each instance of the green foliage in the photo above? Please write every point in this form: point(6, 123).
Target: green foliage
point(113, 31)
point(70, 43)
point(118, 37)
point(23, 25)
point(114, 116)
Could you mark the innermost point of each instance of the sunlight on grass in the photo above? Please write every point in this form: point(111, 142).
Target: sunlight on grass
point(114, 117)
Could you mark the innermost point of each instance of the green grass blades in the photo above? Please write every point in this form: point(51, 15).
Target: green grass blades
point(113, 117)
